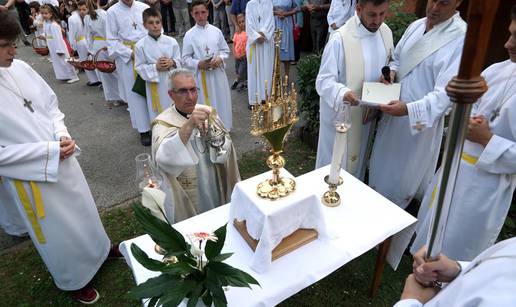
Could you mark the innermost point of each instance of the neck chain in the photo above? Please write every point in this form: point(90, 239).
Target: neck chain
point(26, 102)
point(505, 96)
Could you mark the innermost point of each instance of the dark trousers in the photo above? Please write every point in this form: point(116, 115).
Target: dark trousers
point(24, 12)
point(318, 31)
point(167, 14)
point(241, 69)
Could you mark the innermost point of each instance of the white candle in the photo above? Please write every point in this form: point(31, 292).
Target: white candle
point(339, 147)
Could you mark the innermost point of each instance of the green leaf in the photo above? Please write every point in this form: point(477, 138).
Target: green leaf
point(176, 294)
point(152, 302)
point(217, 293)
point(509, 222)
point(233, 276)
point(160, 232)
point(207, 299)
point(153, 287)
point(221, 257)
point(213, 249)
point(194, 296)
point(145, 261)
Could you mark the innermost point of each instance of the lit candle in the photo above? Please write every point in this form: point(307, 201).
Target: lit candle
point(339, 147)
point(151, 184)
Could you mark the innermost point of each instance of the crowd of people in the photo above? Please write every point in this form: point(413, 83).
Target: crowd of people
point(177, 93)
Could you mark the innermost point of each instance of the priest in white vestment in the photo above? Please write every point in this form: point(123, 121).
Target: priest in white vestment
point(124, 29)
point(409, 134)
point(200, 176)
point(259, 27)
point(204, 51)
point(355, 54)
point(488, 280)
point(339, 13)
point(486, 179)
point(155, 55)
point(38, 165)
point(79, 41)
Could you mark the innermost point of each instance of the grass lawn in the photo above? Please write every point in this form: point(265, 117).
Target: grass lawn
point(26, 282)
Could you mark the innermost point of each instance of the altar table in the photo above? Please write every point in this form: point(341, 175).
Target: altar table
point(362, 221)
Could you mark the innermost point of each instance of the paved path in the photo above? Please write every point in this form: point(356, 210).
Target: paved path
point(105, 136)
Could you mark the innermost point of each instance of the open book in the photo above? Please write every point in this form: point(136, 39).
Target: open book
point(377, 93)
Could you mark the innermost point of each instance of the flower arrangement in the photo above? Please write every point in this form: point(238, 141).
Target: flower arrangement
point(193, 271)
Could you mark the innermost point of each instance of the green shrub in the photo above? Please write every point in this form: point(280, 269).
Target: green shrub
point(307, 70)
point(399, 20)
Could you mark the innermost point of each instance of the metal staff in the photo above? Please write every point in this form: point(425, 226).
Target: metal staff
point(463, 90)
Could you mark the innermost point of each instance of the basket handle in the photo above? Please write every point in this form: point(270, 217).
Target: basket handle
point(97, 55)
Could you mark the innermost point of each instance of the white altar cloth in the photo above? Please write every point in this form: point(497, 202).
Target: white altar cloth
point(363, 220)
point(269, 221)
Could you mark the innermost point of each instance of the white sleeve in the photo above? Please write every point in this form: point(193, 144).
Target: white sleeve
point(176, 55)
point(31, 161)
point(173, 157)
point(409, 303)
point(116, 47)
point(499, 156)
point(425, 112)
point(327, 83)
point(189, 59)
point(223, 46)
point(147, 71)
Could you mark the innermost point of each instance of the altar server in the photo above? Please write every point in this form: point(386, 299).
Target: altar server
point(339, 13)
point(95, 27)
point(259, 25)
point(56, 45)
point(488, 280)
point(356, 53)
point(487, 173)
point(77, 38)
point(155, 55)
point(407, 143)
point(124, 29)
point(201, 177)
point(204, 51)
point(38, 164)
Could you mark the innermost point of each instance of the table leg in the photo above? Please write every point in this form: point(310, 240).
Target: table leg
point(380, 263)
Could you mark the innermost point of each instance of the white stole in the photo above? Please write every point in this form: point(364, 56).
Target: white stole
point(355, 67)
point(438, 37)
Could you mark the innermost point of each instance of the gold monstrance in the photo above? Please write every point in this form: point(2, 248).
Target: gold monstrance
point(272, 119)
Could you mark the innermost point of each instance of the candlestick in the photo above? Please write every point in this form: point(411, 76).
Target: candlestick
point(339, 147)
point(331, 198)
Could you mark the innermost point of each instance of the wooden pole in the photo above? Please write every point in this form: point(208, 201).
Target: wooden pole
point(463, 90)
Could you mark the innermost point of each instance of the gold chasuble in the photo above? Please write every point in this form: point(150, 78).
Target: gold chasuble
point(354, 59)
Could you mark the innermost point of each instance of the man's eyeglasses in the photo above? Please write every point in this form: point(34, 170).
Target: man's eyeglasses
point(185, 91)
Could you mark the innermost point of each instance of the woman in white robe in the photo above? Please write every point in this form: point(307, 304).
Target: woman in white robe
point(487, 174)
point(57, 47)
point(95, 29)
point(60, 213)
point(203, 42)
point(147, 52)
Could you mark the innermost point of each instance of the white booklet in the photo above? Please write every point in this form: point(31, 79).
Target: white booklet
point(376, 93)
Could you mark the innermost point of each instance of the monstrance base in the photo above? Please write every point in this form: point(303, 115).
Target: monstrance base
point(269, 189)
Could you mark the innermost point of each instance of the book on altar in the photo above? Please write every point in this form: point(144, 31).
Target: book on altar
point(377, 93)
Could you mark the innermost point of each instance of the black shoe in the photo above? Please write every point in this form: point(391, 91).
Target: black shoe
point(145, 138)
point(234, 85)
point(94, 83)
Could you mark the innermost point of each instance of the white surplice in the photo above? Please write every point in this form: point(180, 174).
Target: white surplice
point(487, 175)
point(340, 11)
point(488, 280)
point(56, 44)
point(331, 86)
point(124, 29)
point(260, 57)
point(72, 240)
point(147, 52)
point(96, 35)
point(38, 25)
point(10, 219)
point(199, 179)
point(201, 42)
point(406, 148)
point(79, 42)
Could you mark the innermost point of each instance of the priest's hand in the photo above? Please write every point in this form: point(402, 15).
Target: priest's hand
point(198, 119)
point(427, 272)
point(66, 148)
point(395, 108)
point(351, 98)
point(393, 77)
point(414, 290)
point(479, 131)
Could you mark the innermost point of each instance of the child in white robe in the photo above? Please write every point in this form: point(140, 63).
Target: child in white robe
point(155, 55)
point(37, 23)
point(95, 31)
point(204, 51)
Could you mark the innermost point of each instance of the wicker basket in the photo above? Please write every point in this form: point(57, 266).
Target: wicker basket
point(88, 64)
point(43, 51)
point(103, 66)
point(74, 62)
